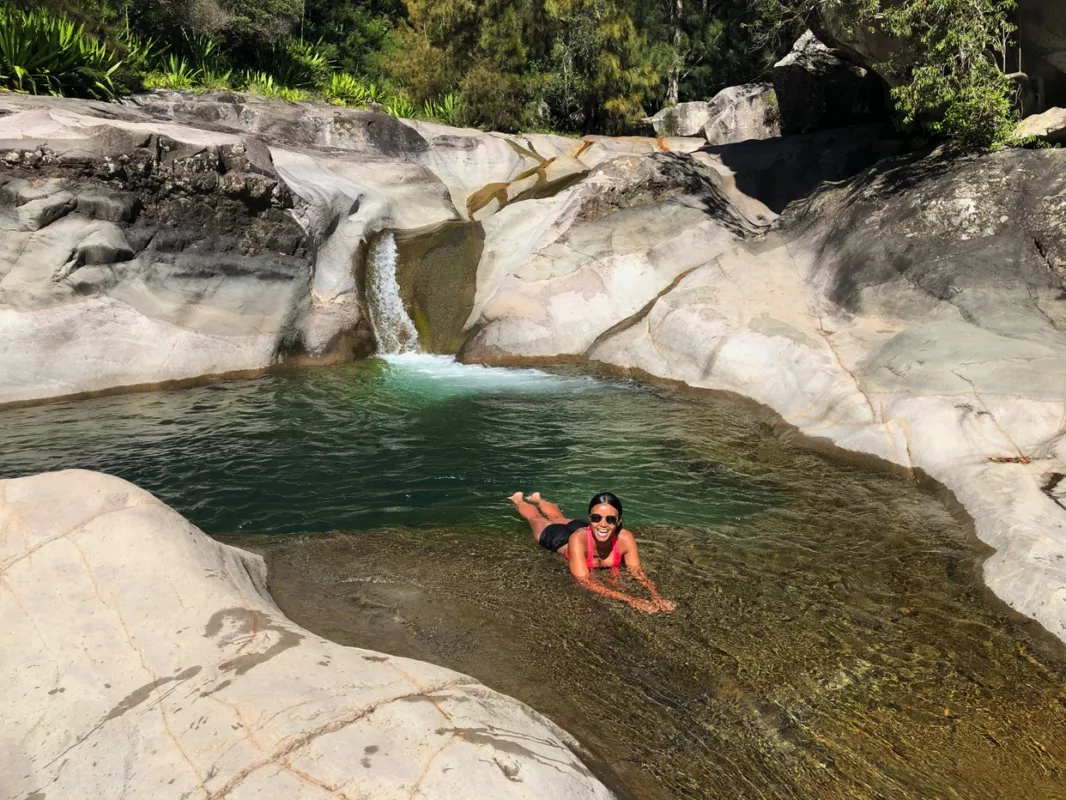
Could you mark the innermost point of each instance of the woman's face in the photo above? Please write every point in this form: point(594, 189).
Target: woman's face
point(607, 522)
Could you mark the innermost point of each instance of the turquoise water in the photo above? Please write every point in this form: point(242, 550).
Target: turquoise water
point(832, 637)
point(414, 441)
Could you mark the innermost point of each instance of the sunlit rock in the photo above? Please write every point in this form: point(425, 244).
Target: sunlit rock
point(142, 658)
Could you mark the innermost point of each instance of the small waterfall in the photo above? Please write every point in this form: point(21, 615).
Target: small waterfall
point(393, 328)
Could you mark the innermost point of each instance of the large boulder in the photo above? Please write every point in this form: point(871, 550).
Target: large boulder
point(817, 89)
point(740, 113)
point(143, 659)
point(684, 119)
point(1049, 126)
point(915, 313)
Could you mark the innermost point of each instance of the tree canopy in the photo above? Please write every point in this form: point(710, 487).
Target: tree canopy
point(579, 66)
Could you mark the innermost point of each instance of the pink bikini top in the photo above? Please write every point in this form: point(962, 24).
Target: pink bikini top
point(590, 549)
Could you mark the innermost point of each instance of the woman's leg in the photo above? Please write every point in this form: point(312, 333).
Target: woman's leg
point(537, 523)
point(549, 510)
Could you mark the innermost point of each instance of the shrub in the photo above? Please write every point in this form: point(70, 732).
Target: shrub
point(176, 73)
point(399, 106)
point(447, 109)
point(496, 100)
point(949, 63)
point(45, 54)
point(264, 84)
point(300, 65)
point(949, 77)
point(345, 90)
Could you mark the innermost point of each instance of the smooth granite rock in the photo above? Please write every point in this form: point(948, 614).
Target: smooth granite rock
point(1049, 126)
point(139, 658)
point(684, 119)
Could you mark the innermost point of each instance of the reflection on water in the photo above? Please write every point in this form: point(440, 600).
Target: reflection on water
point(832, 638)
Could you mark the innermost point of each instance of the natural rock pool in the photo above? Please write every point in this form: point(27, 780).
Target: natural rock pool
point(832, 639)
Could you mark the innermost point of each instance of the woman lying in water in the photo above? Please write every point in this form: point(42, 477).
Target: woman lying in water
point(598, 542)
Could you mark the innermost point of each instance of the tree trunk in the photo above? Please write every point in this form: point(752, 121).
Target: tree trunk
point(677, 12)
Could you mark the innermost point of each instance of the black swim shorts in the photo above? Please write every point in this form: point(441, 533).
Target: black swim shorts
point(557, 534)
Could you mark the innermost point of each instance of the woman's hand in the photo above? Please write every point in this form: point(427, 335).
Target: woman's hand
point(665, 605)
point(647, 606)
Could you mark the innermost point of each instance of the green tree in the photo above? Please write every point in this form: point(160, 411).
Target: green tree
point(948, 73)
point(351, 33)
point(950, 76)
point(568, 64)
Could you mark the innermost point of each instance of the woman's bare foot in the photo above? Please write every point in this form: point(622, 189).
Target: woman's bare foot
point(535, 497)
point(516, 498)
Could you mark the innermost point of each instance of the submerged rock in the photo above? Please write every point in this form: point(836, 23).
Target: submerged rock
point(142, 658)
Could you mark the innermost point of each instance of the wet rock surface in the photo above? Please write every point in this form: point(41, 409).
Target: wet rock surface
point(142, 657)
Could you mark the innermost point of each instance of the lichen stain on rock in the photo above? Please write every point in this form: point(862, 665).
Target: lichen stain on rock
point(138, 696)
point(248, 624)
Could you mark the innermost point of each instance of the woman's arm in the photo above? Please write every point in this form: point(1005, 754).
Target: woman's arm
point(579, 569)
point(628, 546)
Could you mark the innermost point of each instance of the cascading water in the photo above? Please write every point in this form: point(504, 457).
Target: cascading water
point(394, 330)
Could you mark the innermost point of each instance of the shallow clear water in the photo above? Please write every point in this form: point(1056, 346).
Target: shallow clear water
point(832, 637)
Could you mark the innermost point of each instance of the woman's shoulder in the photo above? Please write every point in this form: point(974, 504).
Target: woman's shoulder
point(625, 536)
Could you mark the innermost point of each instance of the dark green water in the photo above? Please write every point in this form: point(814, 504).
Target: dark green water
point(832, 637)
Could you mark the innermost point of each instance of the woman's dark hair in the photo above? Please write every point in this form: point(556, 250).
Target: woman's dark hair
point(608, 498)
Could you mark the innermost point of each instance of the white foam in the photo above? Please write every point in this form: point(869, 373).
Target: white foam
point(447, 373)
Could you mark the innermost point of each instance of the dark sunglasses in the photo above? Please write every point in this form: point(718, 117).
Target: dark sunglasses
point(611, 518)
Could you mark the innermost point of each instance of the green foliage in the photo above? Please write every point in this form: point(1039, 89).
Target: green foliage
point(256, 27)
point(300, 65)
point(264, 84)
point(352, 33)
point(948, 73)
point(140, 54)
point(343, 89)
point(45, 54)
point(447, 110)
point(399, 106)
point(565, 65)
point(176, 73)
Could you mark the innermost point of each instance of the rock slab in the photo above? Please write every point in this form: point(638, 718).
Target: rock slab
point(139, 658)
